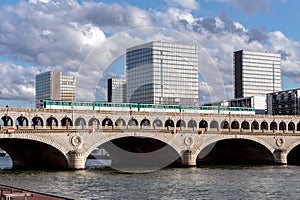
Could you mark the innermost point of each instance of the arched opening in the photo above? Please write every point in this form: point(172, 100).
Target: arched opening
point(26, 154)
point(107, 122)
point(120, 122)
point(214, 124)
point(293, 157)
point(298, 126)
point(37, 121)
point(254, 125)
point(157, 123)
point(282, 126)
point(235, 151)
point(245, 125)
point(140, 153)
point(80, 121)
point(180, 123)
point(7, 121)
point(94, 122)
point(145, 122)
point(225, 124)
point(169, 123)
point(203, 124)
point(235, 125)
point(133, 122)
point(192, 124)
point(291, 126)
point(66, 121)
point(22, 121)
point(51, 121)
point(264, 126)
point(273, 126)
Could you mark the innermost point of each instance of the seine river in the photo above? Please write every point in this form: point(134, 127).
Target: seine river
point(210, 182)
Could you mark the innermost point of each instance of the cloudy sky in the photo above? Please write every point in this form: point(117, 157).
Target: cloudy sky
point(88, 39)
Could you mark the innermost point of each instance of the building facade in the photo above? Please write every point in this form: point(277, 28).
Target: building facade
point(116, 90)
point(53, 85)
point(283, 102)
point(256, 73)
point(162, 73)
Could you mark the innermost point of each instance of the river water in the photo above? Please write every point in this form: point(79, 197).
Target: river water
point(209, 182)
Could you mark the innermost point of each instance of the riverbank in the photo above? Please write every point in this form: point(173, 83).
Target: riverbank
point(9, 192)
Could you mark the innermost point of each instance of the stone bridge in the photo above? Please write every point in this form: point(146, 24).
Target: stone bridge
point(64, 139)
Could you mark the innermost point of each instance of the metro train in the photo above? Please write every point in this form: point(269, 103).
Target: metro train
point(137, 107)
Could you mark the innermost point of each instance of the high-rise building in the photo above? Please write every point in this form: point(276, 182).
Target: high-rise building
point(162, 73)
point(285, 102)
point(116, 90)
point(256, 73)
point(53, 85)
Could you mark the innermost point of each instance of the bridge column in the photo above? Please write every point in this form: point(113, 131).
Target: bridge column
point(188, 158)
point(280, 156)
point(77, 160)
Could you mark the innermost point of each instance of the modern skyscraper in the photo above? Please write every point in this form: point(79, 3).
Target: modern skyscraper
point(53, 85)
point(162, 73)
point(256, 73)
point(116, 90)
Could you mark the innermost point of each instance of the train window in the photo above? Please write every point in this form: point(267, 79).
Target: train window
point(204, 108)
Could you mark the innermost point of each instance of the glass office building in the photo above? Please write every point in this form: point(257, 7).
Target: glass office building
point(162, 73)
point(53, 85)
point(116, 90)
point(256, 73)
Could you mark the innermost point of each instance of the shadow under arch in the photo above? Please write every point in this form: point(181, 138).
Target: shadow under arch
point(26, 154)
point(237, 151)
point(139, 154)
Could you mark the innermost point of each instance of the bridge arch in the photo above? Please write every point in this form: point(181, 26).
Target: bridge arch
point(66, 121)
point(203, 124)
point(51, 121)
point(214, 124)
point(291, 126)
point(264, 125)
point(80, 121)
point(37, 121)
point(298, 126)
point(107, 122)
point(120, 122)
point(31, 158)
point(180, 123)
point(224, 124)
point(94, 122)
point(7, 121)
point(254, 125)
point(192, 124)
point(169, 122)
point(157, 123)
point(282, 126)
point(273, 126)
point(230, 149)
point(235, 124)
point(133, 122)
point(145, 122)
point(245, 125)
point(22, 121)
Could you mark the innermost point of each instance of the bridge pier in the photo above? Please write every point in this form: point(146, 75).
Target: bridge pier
point(188, 158)
point(76, 160)
point(280, 157)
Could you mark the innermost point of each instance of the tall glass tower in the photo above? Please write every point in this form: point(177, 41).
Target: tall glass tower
point(256, 73)
point(162, 73)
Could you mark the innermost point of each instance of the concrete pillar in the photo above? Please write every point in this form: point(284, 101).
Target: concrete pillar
point(188, 158)
point(280, 157)
point(76, 160)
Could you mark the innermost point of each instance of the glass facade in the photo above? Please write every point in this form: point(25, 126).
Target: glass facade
point(162, 73)
point(53, 85)
point(116, 90)
point(256, 73)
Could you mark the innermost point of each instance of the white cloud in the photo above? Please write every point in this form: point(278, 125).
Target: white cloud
point(188, 4)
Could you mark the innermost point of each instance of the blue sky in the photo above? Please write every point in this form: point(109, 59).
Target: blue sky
point(88, 39)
